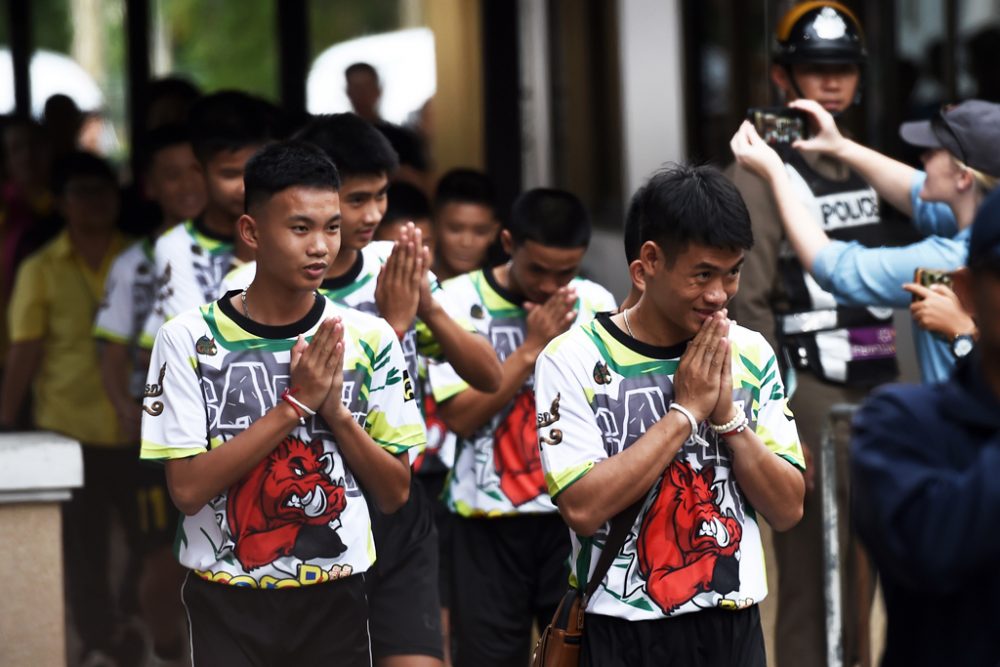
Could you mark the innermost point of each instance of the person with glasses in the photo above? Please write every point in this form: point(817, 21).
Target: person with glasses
point(961, 166)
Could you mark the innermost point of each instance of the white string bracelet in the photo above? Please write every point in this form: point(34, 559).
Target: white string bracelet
point(301, 410)
point(692, 422)
point(302, 406)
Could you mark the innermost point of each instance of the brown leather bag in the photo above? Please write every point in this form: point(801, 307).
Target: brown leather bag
point(562, 639)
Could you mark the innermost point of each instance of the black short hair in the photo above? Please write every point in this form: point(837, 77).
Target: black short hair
point(465, 186)
point(406, 202)
point(286, 164)
point(230, 120)
point(160, 138)
point(172, 86)
point(632, 232)
point(357, 68)
point(80, 164)
point(354, 145)
point(550, 217)
point(683, 204)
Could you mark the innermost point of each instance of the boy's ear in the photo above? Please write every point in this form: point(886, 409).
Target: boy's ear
point(637, 274)
point(650, 260)
point(246, 227)
point(507, 241)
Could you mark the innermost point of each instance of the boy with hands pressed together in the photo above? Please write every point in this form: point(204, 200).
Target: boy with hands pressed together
point(272, 407)
point(623, 403)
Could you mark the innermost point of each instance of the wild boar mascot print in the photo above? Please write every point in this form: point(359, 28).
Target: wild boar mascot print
point(286, 506)
point(686, 545)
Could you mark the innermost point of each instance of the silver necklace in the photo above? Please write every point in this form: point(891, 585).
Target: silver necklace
point(628, 327)
point(243, 299)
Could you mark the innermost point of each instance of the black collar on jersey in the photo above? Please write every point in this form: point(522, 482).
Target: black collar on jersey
point(491, 280)
point(348, 278)
point(645, 349)
point(274, 332)
point(199, 225)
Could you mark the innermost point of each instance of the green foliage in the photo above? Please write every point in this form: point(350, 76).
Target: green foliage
point(225, 44)
point(334, 21)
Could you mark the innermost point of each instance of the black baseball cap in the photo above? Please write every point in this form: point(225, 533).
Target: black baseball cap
point(984, 244)
point(970, 131)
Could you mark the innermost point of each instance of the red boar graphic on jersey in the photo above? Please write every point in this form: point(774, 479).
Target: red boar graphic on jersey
point(686, 545)
point(515, 452)
point(285, 505)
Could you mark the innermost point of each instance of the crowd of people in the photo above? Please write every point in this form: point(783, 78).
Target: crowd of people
point(346, 417)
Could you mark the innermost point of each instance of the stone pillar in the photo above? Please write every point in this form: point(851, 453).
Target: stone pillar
point(37, 473)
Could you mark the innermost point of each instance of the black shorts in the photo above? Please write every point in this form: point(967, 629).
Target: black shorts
point(156, 515)
point(402, 585)
point(507, 573)
point(433, 486)
point(233, 626)
point(708, 638)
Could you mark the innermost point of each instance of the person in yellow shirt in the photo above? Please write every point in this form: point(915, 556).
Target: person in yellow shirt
point(53, 353)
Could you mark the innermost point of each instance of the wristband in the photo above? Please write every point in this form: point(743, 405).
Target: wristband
point(729, 425)
point(687, 413)
point(691, 421)
point(738, 428)
point(300, 408)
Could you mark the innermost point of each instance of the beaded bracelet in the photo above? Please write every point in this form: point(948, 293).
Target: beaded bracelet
point(729, 425)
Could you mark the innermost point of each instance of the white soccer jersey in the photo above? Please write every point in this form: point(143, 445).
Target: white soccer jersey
point(190, 266)
point(299, 517)
point(129, 292)
point(695, 544)
point(497, 471)
point(356, 289)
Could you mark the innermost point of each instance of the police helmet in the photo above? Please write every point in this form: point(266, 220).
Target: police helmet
point(819, 32)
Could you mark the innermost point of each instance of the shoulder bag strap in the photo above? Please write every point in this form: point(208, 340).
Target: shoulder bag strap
point(621, 524)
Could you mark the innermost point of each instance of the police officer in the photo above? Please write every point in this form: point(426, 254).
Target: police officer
point(819, 55)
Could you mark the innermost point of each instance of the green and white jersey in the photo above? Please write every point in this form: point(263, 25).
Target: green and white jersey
point(239, 277)
point(129, 292)
point(190, 265)
point(497, 471)
point(695, 544)
point(299, 517)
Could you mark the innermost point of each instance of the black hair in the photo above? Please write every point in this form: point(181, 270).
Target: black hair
point(465, 186)
point(80, 164)
point(172, 86)
point(684, 204)
point(359, 68)
point(160, 138)
point(550, 217)
point(354, 145)
point(229, 121)
point(406, 202)
point(284, 165)
point(632, 232)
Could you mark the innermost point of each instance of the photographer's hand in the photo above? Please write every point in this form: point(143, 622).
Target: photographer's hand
point(826, 138)
point(753, 153)
point(939, 311)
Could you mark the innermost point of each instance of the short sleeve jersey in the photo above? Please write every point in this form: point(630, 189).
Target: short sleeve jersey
point(128, 299)
point(497, 470)
point(299, 517)
point(356, 289)
point(190, 264)
point(239, 277)
point(696, 543)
